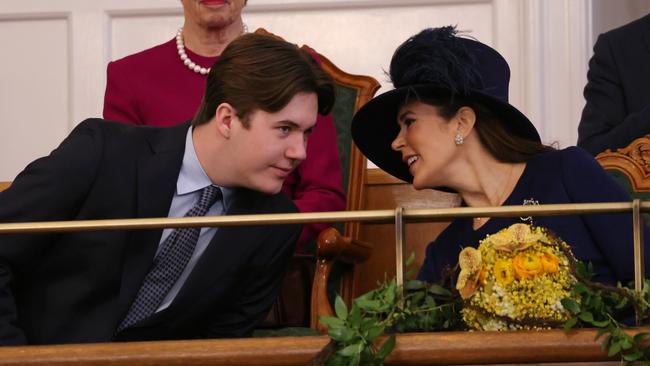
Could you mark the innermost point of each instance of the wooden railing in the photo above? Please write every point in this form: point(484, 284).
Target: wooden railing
point(549, 346)
point(446, 348)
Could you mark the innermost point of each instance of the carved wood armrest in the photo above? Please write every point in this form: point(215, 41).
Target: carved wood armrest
point(632, 160)
point(332, 246)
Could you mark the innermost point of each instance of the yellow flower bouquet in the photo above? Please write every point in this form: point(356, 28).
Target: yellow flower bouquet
point(516, 279)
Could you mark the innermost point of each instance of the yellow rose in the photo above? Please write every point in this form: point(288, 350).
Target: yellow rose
point(527, 265)
point(550, 263)
point(503, 272)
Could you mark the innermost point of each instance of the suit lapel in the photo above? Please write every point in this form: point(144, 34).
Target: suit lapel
point(157, 173)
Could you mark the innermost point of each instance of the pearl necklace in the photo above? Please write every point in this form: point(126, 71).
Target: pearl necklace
point(180, 46)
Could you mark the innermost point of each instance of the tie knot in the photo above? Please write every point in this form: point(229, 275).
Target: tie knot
point(209, 195)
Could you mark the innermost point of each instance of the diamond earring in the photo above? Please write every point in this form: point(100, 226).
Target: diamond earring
point(459, 140)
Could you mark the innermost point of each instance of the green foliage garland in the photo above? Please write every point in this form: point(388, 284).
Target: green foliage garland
point(422, 307)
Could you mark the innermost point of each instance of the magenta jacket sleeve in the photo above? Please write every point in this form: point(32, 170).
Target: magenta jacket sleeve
point(120, 103)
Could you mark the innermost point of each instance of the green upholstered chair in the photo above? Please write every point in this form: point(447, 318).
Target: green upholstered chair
point(630, 166)
point(352, 92)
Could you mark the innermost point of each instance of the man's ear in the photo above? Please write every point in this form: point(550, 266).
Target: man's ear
point(224, 118)
point(465, 119)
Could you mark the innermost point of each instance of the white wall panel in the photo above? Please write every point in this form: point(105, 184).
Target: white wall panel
point(362, 39)
point(556, 38)
point(34, 89)
point(133, 33)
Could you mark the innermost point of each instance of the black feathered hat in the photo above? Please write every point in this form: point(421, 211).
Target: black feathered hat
point(436, 62)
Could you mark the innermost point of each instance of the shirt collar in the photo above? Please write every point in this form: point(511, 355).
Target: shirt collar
point(192, 177)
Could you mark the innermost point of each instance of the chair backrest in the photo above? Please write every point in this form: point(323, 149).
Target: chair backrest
point(630, 166)
point(4, 185)
point(352, 92)
point(630, 163)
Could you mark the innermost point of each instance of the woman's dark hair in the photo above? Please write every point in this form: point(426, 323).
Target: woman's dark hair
point(262, 72)
point(500, 142)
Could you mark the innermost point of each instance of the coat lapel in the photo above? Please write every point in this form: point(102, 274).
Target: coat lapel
point(157, 173)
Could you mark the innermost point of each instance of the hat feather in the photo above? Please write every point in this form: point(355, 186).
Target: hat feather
point(435, 56)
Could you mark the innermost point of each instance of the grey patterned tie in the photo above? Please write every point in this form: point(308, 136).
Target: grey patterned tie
point(169, 263)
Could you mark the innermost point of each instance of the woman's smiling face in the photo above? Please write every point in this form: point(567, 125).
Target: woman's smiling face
point(426, 142)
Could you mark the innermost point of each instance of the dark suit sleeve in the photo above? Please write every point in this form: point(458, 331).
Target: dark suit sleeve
point(605, 122)
point(119, 101)
point(586, 182)
point(260, 288)
point(50, 188)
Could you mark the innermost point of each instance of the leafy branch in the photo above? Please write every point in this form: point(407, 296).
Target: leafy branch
point(387, 309)
point(416, 306)
point(596, 306)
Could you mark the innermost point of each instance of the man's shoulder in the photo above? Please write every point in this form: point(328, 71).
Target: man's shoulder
point(283, 203)
point(264, 203)
point(250, 202)
point(629, 31)
point(124, 133)
point(107, 127)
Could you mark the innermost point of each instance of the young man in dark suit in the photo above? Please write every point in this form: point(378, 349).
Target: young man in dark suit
point(618, 89)
point(261, 102)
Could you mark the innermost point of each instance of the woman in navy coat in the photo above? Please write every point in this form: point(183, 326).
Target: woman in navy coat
point(448, 124)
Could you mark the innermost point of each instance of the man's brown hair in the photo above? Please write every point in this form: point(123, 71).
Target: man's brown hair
point(262, 72)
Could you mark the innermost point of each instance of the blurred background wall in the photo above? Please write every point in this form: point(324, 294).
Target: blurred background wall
point(53, 64)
